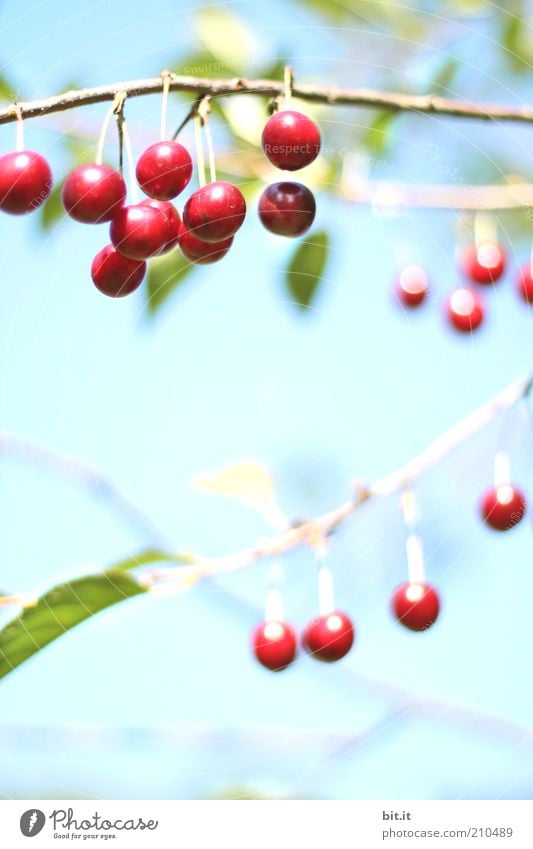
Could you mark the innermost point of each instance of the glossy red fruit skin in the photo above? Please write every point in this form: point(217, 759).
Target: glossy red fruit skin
point(415, 606)
point(290, 140)
point(503, 507)
point(25, 181)
point(274, 645)
point(116, 275)
point(92, 194)
point(173, 218)
point(412, 286)
point(215, 212)
point(140, 231)
point(201, 253)
point(525, 283)
point(465, 310)
point(329, 638)
point(484, 263)
point(164, 170)
point(287, 209)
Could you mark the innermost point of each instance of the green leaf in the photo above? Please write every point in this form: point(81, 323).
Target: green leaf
point(444, 76)
point(52, 211)
point(8, 91)
point(304, 274)
point(226, 37)
point(516, 39)
point(60, 609)
point(165, 274)
point(67, 605)
point(377, 137)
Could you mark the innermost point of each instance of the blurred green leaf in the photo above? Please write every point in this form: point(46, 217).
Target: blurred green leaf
point(226, 38)
point(445, 75)
point(516, 38)
point(8, 91)
point(59, 610)
point(52, 211)
point(165, 274)
point(378, 136)
point(304, 273)
point(67, 605)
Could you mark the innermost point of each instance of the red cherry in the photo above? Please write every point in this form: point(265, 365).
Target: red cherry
point(525, 283)
point(215, 212)
point(25, 181)
point(274, 645)
point(465, 310)
point(140, 231)
point(200, 252)
point(416, 606)
point(173, 218)
point(412, 286)
point(93, 193)
point(290, 140)
point(329, 637)
point(116, 275)
point(164, 169)
point(503, 507)
point(483, 263)
point(287, 209)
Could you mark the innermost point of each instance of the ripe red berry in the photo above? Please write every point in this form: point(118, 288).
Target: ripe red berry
point(525, 283)
point(173, 218)
point(140, 231)
point(164, 169)
point(465, 310)
point(93, 193)
point(287, 209)
point(503, 507)
point(412, 286)
point(483, 263)
point(200, 252)
point(416, 606)
point(290, 140)
point(329, 637)
point(25, 181)
point(215, 212)
point(274, 645)
point(116, 275)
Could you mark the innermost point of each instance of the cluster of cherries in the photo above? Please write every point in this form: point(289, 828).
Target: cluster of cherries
point(414, 604)
point(483, 264)
point(96, 193)
point(330, 637)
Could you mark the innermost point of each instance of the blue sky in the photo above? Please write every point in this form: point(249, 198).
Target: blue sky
point(229, 371)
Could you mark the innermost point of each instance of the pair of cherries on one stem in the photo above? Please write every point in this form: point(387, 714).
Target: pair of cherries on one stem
point(330, 637)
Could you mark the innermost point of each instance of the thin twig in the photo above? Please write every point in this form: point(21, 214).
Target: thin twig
point(427, 103)
point(394, 482)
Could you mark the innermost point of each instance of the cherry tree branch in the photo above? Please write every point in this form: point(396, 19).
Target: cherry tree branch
point(396, 101)
point(322, 526)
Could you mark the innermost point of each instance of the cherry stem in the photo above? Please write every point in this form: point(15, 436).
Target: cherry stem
point(326, 599)
point(102, 136)
point(165, 75)
point(19, 144)
point(485, 228)
point(210, 148)
point(129, 157)
point(274, 598)
point(198, 143)
point(288, 79)
point(502, 469)
point(414, 546)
